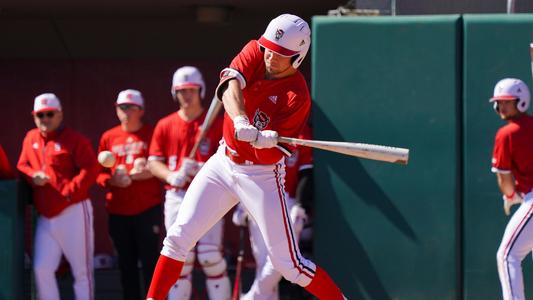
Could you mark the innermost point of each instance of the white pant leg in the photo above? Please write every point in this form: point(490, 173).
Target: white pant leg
point(76, 235)
point(47, 255)
point(516, 243)
point(261, 191)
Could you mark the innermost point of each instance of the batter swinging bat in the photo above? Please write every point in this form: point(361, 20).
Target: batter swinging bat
point(212, 113)
point(375, 152)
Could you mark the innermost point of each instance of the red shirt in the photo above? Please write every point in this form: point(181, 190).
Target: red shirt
point(67, 157)
point(128, 146)
point(301, 159)
point(174, 138)
point(282, 105)
point(513, 151)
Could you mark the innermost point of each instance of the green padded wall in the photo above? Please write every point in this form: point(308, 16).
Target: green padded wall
point(12, 249)
point(388, 231)
point(495, 46)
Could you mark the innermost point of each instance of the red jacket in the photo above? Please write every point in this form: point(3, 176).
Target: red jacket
point(68, 159)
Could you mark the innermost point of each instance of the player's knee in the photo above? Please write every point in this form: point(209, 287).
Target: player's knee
point(211, 259)
point(299, 274)
point(177, 244)
point(188, 265)
point(41, 270)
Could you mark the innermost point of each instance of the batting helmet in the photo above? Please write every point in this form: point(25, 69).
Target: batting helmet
point(289, 36)
point(512, 89)
point(187, 77)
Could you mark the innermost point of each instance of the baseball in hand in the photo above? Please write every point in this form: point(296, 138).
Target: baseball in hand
point(106, 159)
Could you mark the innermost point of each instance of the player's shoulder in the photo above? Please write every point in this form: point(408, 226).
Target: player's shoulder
point(112, 132)
point(74, 134)
point(167, 120)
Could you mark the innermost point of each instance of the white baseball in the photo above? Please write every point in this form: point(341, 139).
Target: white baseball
point(106, 159)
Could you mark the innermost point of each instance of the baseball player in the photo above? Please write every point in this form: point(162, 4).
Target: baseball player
point(513, 164)
point(60, 165)
point(173, 140)
point(265, 285)
point(134, 195)
point(264, 95)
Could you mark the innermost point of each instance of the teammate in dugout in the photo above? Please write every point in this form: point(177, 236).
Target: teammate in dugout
point(298, 172)
point(60, 165)
point(173, 140)
point(134, 195)
point(512, 162)
point(263, 85)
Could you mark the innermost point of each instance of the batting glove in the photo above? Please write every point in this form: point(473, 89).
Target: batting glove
point(240, 216)
point(508, 201)
point(177, 179)
point(266, 139)
point(190, 167)
point(244, 131)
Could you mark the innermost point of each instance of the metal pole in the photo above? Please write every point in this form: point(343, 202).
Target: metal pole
point(510, 6)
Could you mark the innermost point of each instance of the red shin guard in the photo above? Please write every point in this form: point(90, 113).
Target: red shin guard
point(166, 273)
point(323, 287)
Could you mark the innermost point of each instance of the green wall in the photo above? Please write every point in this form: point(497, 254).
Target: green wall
point(428, 230)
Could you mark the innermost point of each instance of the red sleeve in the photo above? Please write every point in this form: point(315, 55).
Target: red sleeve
point(23, 164)
point(248, 61)
point(104, 174)
point(6, 172)
point(85, 160)
point(501, 155)
point(157, 145)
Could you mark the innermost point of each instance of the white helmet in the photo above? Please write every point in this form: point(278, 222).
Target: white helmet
point(512, 89)
point(287, 35)
point(187, 77)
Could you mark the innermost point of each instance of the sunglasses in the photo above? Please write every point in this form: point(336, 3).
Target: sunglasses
point(125, 107)
point(49, 114)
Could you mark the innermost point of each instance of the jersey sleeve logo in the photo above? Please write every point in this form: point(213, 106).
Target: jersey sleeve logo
point(261, 120)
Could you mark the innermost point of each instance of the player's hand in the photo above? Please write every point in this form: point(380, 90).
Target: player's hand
point(39, 178)
point(190, 167)
point(119, 179)
point(178, 178)
point(266, 139)
point(244, 131)
point(240, 216)
point(509, 201)
point(140, 174)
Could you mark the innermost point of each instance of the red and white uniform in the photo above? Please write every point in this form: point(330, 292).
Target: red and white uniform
point(128, 146)
point(66, 222)
point(513, 154)
point(255, 177)
point(173, 140)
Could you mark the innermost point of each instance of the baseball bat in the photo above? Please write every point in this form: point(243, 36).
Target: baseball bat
point(531, 51)
point(369, 151)
point(212, 113)
point(237, 288)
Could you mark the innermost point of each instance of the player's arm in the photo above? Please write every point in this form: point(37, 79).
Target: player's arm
point(158, 168)
point(32, 175)
point(85, 159)
point(233, 99)
point(104, 174)
point(506, 183)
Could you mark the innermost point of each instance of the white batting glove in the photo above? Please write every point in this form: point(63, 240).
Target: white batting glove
point(177, 178)
point(244, 131)
point(240, 216)
point(266, 139)
point(509, 201)
point(190, 167)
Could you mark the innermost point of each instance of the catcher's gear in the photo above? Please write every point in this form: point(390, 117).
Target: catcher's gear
point(509, 89)
point(510, 200)
point(289, 36)
point(187, 77)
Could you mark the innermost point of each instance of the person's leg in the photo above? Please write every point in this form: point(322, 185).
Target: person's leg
point(47, 255)
point(270, 211)
point(148, 228)
point(77, 242)
point(123, 235)
point(516, 243)
point(207, 200)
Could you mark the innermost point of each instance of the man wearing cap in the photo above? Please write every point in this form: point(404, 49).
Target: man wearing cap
point(512, 162)
point(264, 96)
point(171, 161)
point(133, 194)
point(60, 165)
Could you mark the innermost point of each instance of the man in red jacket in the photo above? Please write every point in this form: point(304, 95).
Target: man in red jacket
point(60, 165)
point(134, 196)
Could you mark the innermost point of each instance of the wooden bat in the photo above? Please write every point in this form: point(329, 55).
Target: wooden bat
point(237, 287)
point(211, 115)
point(375, 152)
point(531, 51)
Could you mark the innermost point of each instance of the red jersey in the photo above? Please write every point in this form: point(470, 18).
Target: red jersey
point(140, 195)
point(174, 138)
point(5, 168)
point(67, 157)
point(513, 152)
point(301, 159)
point(282, 105)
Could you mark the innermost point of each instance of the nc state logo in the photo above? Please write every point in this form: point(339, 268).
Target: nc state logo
point(261, 120)
point(279, 34)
